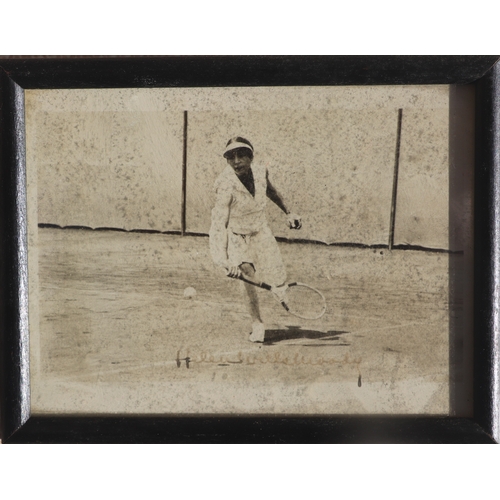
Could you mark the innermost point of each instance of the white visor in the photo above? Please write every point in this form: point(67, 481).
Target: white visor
point(237, 145)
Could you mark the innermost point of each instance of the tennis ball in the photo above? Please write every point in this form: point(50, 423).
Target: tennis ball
point(189, 292)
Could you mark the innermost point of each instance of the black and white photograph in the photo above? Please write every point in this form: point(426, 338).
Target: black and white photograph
point(250, 251)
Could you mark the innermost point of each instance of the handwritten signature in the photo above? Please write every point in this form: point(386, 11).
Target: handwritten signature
point(269, 358)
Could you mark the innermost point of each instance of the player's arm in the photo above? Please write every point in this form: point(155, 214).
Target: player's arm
point(294, 220)
point(218, 232)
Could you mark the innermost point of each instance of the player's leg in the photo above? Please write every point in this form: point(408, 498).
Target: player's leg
point(252, 299)
point(251, 292)
point(269, 262)
point(240, 254)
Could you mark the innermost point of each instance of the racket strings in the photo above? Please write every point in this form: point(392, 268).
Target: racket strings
point(305, 302)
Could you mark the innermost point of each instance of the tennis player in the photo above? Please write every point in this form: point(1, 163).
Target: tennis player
point(240, 238)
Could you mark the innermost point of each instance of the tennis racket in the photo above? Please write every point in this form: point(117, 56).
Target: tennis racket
point(298, 299)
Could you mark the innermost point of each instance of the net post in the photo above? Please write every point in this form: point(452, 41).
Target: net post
point(392, 223)
point(184, 174)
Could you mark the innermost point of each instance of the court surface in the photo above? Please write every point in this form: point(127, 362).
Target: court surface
point(117, 335)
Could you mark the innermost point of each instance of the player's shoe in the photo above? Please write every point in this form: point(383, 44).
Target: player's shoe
point(258, 332)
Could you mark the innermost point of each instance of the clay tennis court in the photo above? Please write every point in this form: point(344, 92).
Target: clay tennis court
point(117, 332)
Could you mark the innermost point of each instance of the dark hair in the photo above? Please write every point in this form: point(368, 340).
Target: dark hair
point(239, 139)
point(245, 151)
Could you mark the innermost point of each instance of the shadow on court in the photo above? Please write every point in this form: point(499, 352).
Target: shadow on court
point(297, 332)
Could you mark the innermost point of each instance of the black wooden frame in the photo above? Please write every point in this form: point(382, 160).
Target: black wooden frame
point(17, 74)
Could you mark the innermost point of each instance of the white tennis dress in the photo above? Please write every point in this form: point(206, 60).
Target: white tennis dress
point(247, 237)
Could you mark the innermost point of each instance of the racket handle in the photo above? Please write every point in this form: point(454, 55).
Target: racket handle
point(260, 284)
point(284, 304)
